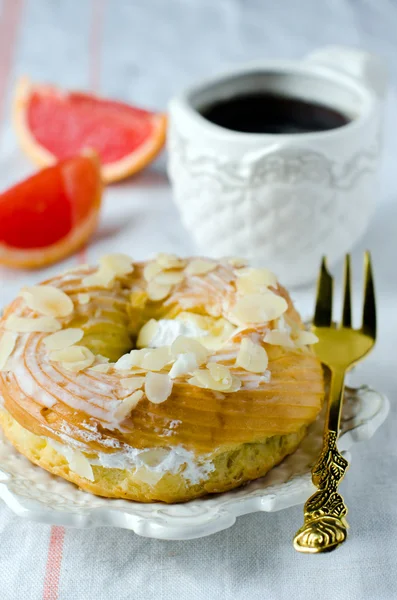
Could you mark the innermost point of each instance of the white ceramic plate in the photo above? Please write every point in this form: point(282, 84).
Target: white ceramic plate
point(33, 493)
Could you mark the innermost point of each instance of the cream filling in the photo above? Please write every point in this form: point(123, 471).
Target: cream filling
point(149, 464)
point(169, 329)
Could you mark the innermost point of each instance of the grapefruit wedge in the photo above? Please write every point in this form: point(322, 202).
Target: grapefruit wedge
point(51, 214)
point(52, 125)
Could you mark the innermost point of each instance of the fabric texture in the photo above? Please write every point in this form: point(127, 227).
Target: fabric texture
point(144, 51)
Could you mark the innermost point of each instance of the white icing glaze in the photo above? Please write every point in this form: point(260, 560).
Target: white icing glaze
point(169, 329)
point(98, 394)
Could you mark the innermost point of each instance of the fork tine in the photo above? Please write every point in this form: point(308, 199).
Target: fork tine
point(347, 302)
point(369, 309)
point(323, 310)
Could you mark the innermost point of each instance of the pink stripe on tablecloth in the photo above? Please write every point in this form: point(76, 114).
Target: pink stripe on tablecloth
point(9, 22)
point(94, 75)
point(54, 561)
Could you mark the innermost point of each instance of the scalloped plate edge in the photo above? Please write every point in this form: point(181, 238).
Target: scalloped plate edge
point(219, 513)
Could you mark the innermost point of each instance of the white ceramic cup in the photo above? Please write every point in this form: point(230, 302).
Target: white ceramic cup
point(281, 200)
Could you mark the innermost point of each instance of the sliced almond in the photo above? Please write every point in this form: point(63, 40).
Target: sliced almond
point(118, 264)
point(222, 375)
point(146, 333)
point(220, 372)
point(157, 291)
point(101, 368)
point(74, 358)
point(101, 278)
point(236, 262)
point(63, 339)
point(47, 300)
point(170, 261)
point(151, 270)
point(27, 325)
point(184, 344)
point(184, 364)
point(132, 383)
point(127, 405)
point(158, 387)
point(80, 464)
point(278, 338)
point(169, 277)
point(252, 281)
point(101, 359)
point(145, 475)
point(7, 345)
point(131, 360)
point(252, 357)
point(259, 308)
point(204, 379)
point(199, 266)
point(305, 338)
point(83, 298)
point(156, 359)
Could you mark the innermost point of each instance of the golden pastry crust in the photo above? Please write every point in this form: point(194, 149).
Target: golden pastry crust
point(232, 468)
point(243, 407)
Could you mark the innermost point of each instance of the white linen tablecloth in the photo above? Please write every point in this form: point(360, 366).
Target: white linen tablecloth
point(143, 51)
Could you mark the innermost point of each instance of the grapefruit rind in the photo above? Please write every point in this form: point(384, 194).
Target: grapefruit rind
point(111, 172)
point(11, 256)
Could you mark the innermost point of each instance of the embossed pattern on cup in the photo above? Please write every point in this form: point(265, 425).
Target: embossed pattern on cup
point(279, 200)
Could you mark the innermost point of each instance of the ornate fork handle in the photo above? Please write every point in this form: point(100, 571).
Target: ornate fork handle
point(325, 526)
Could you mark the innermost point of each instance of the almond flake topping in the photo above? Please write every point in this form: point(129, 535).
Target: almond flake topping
point(127, 405)
point(252, 281)
point(27, 325)
point(7, 345)
point(252, 357)
point(170, 261)
point(199, 266)
point(236, 262)
point(157, 291)
point(132, 383)
point(158, 387)
point(63, 339)
point(156, 359)
point(101, 278)
point(151, 270)
point(83, 298)
point(47, 300)
point(184, 344)
point(74, 358)
point(169, 277)
point(305, 338)
point(101, 368)
point(146, 333)
point(130, 360)
point(110, 267)
point(259, 308)
point(80, 464)
point(215, 377)
point(278, 338)
point(184, 364)
point(119, 264)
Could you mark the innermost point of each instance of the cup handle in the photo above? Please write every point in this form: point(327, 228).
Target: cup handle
point(366, 67)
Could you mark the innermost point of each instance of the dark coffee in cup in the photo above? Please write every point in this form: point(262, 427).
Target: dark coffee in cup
point(264, 112)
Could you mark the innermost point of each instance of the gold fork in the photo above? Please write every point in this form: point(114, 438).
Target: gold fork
point(339, 348)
